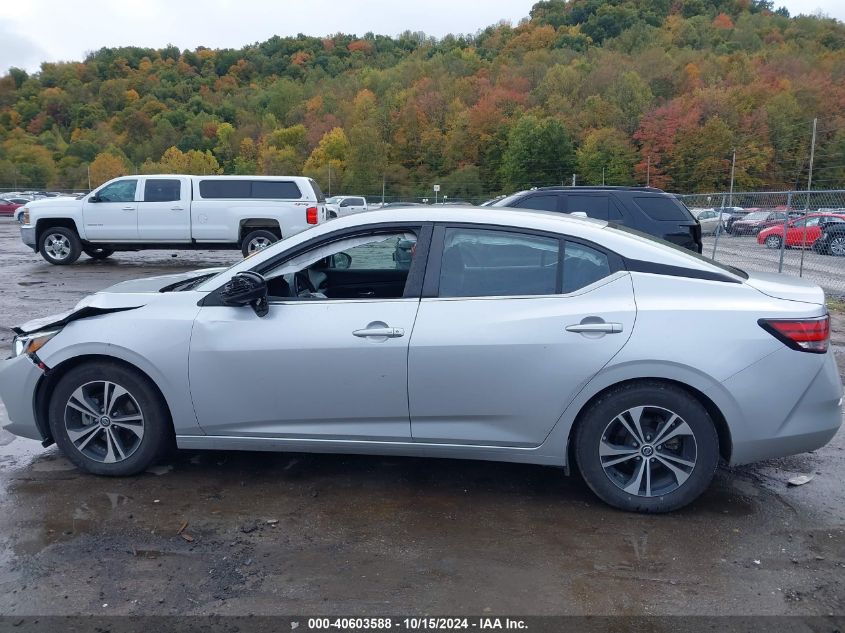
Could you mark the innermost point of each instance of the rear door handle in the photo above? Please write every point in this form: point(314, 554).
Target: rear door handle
point(604, 328)
point(380, 332)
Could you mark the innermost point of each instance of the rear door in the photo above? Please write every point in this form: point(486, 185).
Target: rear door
point(511, 326)
point(599, 206)
point(164, 210)
point(112, 214)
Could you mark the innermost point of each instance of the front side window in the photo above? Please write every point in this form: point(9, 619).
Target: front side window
point(371, 266)
point(120, 191)
point(539, 203)
point(162, 190)
point(481, 262)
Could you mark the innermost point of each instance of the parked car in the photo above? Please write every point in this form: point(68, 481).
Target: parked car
point(801, 232)
point(710, 219)
point(832, 240)
point(167, 211)
point(756, 221)
point(510, 336)
point(339, 206)
point(735, 213)
point(8, 207)
point(643, 208)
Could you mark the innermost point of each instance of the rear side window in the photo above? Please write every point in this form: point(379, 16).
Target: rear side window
point(485, 263)
point(582, 266)
point(210, 189)
point(317, 191)
point(594, 206)
point(161, 190)
point(540, 203)
point(661, 208)
point(283, 189)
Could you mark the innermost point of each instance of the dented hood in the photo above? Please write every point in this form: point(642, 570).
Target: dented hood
point(126, 295)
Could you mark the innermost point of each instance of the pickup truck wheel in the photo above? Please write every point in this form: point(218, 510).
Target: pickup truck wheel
point(256, 240)
point(59, 245)
point(97, 253)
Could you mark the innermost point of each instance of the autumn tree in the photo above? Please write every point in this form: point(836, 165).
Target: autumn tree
point(606, 157)
point(105, 167)
point(327, 163)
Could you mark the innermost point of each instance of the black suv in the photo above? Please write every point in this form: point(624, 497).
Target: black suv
point(643, 208)
point(832, 239)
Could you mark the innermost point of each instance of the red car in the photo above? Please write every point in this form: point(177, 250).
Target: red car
point(800, 232)
point(7, 207)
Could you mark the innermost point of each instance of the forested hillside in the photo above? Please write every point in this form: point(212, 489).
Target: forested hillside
point(621, 89)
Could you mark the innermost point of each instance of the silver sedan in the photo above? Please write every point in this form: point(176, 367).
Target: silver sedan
point(444, 332)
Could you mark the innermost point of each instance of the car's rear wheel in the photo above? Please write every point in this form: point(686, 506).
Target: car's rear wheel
point(773, 241)
point(109, 419)
point(97, 253)
point(837, 246)
point(256, 240)
point(647, 447)
point(59, 245)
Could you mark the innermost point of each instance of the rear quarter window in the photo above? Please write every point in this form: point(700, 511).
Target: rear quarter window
point(662, 209)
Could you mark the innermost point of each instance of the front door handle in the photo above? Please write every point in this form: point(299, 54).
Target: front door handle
point(601, 328)
point(177, 208)
point(379, 332)
point(128, 208)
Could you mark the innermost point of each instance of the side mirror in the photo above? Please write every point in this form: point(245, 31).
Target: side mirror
point(246, 288)
point(341, 260)
point(94, 199)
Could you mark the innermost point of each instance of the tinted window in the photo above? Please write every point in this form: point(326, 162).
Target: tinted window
point(582, 266)
point(594, 206)
point(120, 191)
point(478, 263)
point(540, 203)
point(281, 189)
point(317, 191)
point(160, 190)
point(661, 208)
point(226, 188)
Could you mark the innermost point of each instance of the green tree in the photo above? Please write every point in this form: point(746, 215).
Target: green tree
point(606, 157)
point(539, 152)
point(327, 163)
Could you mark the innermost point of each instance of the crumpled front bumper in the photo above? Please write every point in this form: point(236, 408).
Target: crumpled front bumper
point(19, 378)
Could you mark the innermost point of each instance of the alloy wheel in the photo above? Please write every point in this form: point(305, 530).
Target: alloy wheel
point(648, 451)
point(57, 246)
point(773, 241)
point(837, 246)
point(104, 422)
point(257, 243)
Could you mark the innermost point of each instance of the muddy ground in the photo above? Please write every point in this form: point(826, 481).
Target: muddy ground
point(308, 534)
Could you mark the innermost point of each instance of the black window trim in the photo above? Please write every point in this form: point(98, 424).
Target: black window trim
point(416, 274)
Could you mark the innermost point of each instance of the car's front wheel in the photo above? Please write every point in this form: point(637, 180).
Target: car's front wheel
point(773, 241)
point(647, 447)
point(108, 419)
point(59, 245)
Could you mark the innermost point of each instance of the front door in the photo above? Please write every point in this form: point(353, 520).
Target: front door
point(330, 359)
point(514, 333)
point(164, 210)
point(112, 213)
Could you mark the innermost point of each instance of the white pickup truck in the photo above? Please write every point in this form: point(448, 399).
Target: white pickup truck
point(340, 206)
point(173, 212)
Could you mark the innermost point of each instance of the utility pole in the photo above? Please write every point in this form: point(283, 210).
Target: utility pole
point(602, 176)
point(573, 180)
point(648, 172)
point(329, 165)
point(383, 183)
point(807, 205)
point(89, 177)
point(733, 167)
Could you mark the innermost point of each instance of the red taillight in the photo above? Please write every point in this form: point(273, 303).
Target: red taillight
point(807, 335)
point(311, 215)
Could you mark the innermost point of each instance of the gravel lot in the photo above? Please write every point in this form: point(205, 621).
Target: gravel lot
point(309, 534)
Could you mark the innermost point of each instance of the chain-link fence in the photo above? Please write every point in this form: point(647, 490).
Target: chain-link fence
point(800, 233)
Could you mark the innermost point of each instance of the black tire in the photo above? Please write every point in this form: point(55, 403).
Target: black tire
point(248, 243)
point(157, 439)
point(59, 245)
point(97, 253)
point(657, 398)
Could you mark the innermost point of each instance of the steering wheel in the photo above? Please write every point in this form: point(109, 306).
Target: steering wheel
point(302, 283)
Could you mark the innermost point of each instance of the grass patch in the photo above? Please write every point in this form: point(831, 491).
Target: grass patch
point(836, 305)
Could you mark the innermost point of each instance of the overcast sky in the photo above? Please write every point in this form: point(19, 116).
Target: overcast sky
point(33, 31)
